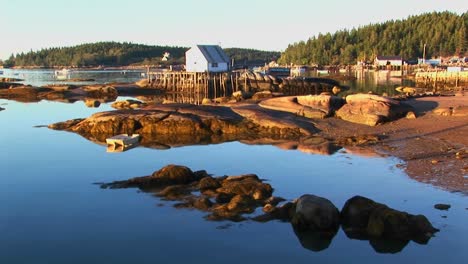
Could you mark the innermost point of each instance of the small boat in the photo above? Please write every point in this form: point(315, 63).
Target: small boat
point(122, 141)
point(63, 74)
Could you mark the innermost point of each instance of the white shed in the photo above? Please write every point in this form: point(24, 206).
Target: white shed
point(206, 58)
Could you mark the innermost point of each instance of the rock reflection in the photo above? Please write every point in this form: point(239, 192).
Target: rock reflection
point(315, 220)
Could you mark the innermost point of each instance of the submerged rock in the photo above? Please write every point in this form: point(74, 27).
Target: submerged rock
point(233, 195)
point(444, 207)
point(363, 218)
point(168, 175)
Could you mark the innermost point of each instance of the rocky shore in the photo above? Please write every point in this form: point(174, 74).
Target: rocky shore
point(427, 133)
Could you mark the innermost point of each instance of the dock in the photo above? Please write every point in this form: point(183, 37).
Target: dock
point(441, 79)
point(214, 85)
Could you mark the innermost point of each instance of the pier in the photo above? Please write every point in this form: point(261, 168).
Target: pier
point(442, 79)
point(214, 85)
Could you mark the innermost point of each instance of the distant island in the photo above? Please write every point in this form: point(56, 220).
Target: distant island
point(125, 54)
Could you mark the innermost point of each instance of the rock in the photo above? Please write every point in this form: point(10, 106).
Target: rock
point(174, 192)
point(128, 104)
point(208, 183)
point(363, 218)
point(460, 111)
point(443, 111)
point(336, 89)
point(221, 100)
point(248, 185)
point(99, 91)
point(206, 101)
point(310, 106)
point(316, 213)
point(407, 90)
point(274, 200)
point(411, 115)
point(65, 125)
point(358, 140)
point(262, 95)
point(370, 109)
point(239, 95)
point(241, 203)
point(168, 175)
point(92, 103)
point(444, 207)
point(143, 83)
point(203, 203)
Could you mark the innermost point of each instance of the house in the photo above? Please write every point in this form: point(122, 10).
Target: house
point(206, 58)
point(431, 62)
point(388, 62)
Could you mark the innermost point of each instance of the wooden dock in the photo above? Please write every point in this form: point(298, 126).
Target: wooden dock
point(214, 85)
point(441, 79)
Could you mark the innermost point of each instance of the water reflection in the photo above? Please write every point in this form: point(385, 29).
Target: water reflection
point(315, 220)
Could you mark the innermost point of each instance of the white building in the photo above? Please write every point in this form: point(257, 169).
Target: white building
point(206, 58)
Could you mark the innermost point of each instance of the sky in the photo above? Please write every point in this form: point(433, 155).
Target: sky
point(259, 24)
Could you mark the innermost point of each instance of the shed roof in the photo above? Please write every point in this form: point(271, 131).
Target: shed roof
point(213, 53)
point(389, 58)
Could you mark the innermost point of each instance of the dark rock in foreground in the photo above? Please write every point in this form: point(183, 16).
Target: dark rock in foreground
point(315, 220)
point(224, 197)
point(363, 218)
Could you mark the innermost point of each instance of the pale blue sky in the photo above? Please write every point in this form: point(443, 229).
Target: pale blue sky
point(260, 24)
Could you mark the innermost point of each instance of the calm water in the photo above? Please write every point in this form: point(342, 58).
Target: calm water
point(47, 76)
point(52, 212)
point(378, 82)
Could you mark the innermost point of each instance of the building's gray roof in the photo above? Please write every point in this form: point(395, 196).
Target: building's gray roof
point(213, 53)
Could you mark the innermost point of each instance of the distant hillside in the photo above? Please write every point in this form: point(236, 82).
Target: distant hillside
point(122, 54)
point(444, 33)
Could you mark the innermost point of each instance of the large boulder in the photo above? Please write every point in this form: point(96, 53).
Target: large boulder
point(311, 106)
point(317, 214)
point(370, 109)
point(363, 218)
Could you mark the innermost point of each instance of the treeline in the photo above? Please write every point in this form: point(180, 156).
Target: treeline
point(120, 54)
point(444, 33)
point(248, 57)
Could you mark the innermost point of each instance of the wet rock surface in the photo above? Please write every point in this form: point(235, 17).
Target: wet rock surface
point(190, 124)
point(362, 218)
point(315, 220)
point(226, 197)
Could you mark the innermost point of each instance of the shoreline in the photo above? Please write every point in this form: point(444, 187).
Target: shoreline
point(433, 147)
